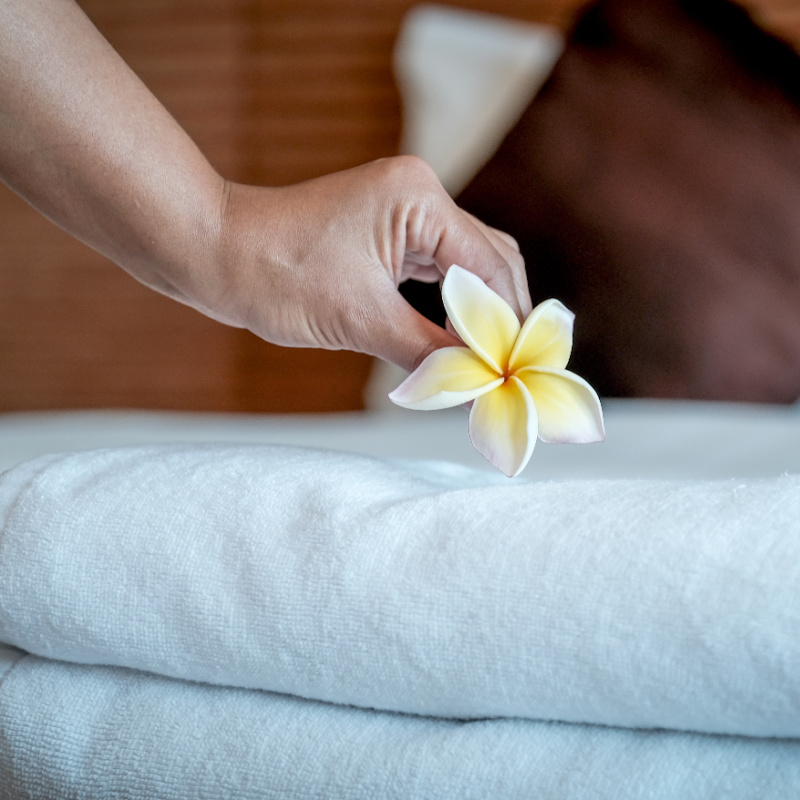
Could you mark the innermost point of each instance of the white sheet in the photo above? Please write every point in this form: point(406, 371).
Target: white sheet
point(645, 439)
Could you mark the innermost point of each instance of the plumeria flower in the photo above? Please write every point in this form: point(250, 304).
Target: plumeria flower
point(515, 374)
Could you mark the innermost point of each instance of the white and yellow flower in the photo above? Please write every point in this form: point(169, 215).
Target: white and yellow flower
point(515, 374)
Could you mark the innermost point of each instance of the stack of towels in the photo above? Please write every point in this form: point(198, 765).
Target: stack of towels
point(225, 621)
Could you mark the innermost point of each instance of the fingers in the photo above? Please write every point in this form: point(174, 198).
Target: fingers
point(504, 237)
point(403, 336)
point(318, 263)
point(453, 332)
point(457, 238)
point(425, 273)
point(491, 255)
point(438, 232)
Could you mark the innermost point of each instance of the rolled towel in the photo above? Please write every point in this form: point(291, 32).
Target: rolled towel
point(91, 733)
point(429, 589)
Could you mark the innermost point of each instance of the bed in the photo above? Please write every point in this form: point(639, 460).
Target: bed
point(353, 604)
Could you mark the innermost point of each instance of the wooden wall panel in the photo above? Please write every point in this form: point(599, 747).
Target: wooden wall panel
point(273, 91)
point(323, 96)
point(75, 331)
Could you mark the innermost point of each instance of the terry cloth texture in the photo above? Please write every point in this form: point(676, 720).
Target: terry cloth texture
point(97, 733)
point(408, 587)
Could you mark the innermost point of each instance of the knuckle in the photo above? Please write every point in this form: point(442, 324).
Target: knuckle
point(414, 171)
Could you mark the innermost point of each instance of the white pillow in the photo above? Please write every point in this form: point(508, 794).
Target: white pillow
point(464, 79)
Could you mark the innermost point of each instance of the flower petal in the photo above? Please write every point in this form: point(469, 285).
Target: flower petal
point(569, 409)
point(481, 317)
point(447, 377)
point(503, 426)
point(545, 339)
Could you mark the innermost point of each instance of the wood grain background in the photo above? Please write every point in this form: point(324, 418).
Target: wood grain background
point(273, 91)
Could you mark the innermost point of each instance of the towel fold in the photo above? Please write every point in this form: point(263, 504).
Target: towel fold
point(96, 733)
point(429, 589)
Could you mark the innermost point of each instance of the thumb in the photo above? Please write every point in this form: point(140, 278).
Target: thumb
point(407, 338)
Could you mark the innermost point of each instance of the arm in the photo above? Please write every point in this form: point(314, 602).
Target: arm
point(317, 264)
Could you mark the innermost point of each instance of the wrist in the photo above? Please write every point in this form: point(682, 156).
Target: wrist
point(175, 245)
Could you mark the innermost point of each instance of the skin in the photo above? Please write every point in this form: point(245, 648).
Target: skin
point(316, 264)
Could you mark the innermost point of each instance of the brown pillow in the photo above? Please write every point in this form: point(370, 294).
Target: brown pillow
point(654, 187)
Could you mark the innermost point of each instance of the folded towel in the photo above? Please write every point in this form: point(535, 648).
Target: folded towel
point(96, 733)
point(429, 589)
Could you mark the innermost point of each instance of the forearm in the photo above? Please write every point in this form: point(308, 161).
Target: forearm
point(87, 144)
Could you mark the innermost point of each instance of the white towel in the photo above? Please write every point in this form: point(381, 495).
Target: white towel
point(96, 733)
point(429, 589)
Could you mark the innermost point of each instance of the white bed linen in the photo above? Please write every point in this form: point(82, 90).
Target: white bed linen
point(645, 439)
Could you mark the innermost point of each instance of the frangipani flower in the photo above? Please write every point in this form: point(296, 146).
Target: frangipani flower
point(515, 374)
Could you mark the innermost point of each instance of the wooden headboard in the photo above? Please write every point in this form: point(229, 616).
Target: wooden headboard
point(273, 91)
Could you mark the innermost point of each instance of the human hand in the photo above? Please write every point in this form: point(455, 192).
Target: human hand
point(318, 264)
point(311, 265)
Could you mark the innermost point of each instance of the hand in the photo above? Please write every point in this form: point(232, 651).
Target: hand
point(311, 265)
point(318, 264)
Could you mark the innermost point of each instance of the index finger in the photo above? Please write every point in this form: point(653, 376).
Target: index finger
point(492, 256)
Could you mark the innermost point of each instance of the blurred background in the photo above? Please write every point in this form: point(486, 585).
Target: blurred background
point(274, 92)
